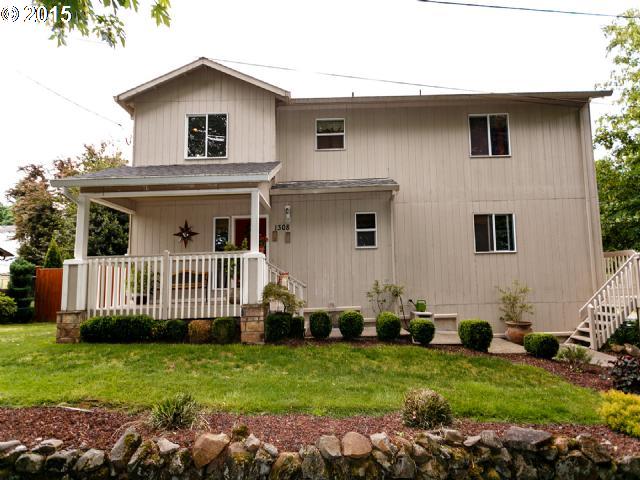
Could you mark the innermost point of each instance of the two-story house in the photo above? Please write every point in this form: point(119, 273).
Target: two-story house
point(448, 195)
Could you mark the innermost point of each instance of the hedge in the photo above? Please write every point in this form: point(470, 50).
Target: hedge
point(297, 327)
point(541, 345)
point(119, 329)
point(224, 330)
point(475, 334)
point(277, 326)
point(320, 324)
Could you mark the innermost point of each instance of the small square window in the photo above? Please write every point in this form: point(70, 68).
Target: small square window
point(330, 134)
point(207, 136)
point(489, 135)
point(494, 233)
point(366, 230)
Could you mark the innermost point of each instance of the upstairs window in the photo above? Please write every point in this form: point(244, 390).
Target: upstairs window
point(207, 136)
point(494, 232)
point(330, 134)
point(366, 230)
point(489, 135)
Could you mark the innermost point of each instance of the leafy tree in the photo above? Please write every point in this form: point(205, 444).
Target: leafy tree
point(6, 215)
point(99, 17)
point(618, 173)
point(53, 258)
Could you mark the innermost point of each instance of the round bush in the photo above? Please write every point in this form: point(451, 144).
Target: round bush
point(351, 324)
point(199, 331)
point(297, 327)
point(320, 324)
point(388, 326)
point(172, 331)
point(8, 308)
point(475, 334)
point(422, 330)
point(541, 345)
point(426, 409)
point(277, 326)
point(223, 330)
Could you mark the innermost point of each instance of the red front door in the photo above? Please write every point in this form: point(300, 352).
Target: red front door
point(242, 232)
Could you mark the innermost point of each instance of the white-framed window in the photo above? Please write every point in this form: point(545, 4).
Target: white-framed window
point(206, 135)
point(494, 232)
point(489, 135)
point(366, 230)
point(330, 134)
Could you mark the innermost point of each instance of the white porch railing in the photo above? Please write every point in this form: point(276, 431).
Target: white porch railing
point(612, 261)
point(275, 275)
point(202, 285)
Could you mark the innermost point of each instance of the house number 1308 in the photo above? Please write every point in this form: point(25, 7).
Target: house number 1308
point(282, 227)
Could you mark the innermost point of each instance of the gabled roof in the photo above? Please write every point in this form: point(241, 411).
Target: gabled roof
point(124, 98)
point(327, 186)
point(197, 173)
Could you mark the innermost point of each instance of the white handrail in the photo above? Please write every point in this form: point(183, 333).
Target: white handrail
point(295, 286)
point(613, 261)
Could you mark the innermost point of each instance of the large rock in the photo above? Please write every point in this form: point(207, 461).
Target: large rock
point(270, 449)
point(29, 463)
point(593, 449)
point(47, 447)
point(10, 445)
point(382, 442)
point(9, 456)
point(252, 444)
point(145, 462)
point(61, 461)
point(239, 461)
point(180, 463)
point(452, 436)
point(404, 467)
point(629, 466)
point(262, 463)
point(355, 445)
point(525, 438)
point(490, 439)
point(92, 464)
point(329, 447)
point(208, 447)
point(524, 471)
point(575, 466)
point(420, 454)
point(382, 460)
point(287, 466)
point(166, 447)
point(313, 464)
point(124, 449)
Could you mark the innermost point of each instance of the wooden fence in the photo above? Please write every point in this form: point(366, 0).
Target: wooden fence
point(48, 294)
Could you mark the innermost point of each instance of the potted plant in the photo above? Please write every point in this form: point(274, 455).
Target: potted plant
point(514, 306)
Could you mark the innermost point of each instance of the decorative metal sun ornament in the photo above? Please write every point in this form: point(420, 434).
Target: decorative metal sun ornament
point(186, 234)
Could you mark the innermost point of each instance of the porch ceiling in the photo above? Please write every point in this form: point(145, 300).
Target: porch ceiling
point(175, 175)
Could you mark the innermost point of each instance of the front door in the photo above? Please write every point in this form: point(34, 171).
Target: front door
point(242, 232)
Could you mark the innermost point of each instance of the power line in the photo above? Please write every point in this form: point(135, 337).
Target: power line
point(73, 102)
point(530, 9)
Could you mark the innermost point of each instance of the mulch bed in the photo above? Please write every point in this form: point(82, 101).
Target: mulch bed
point(101, 428)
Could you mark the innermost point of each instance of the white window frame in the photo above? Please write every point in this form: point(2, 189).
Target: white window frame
point(487, 115)
point(206, 126)
point(493, 226)
point(357, 230)
point(344, 134)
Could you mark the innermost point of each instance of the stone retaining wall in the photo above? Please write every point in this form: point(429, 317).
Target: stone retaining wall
point(520, 454)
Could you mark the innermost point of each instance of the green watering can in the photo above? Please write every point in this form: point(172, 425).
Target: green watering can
point(421, 305)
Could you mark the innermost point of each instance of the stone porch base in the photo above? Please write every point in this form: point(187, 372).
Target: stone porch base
point(68, 325)
point(252, 323)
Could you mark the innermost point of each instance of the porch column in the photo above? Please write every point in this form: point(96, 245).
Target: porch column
point(82, 229)
point(254, 243)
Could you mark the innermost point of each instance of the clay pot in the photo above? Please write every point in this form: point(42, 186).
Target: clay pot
point(516, 331)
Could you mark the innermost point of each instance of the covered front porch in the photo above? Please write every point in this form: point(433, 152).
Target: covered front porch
point(197, 242)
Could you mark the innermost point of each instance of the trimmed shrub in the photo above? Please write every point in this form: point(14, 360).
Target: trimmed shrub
point(621, 412)
point(422, 330)
point(118, 329)
point(426, 409)
point(174, 331)
point(224, 330)
point(541, 345)
point(388, 326)
point(628, 332)
point(179, 411)
point(351, 324)
point(297, 327)
point(625, 374)
point(277, 326)
point(320, 324)
point(21, 288)
point(475, 334)
point(8, 308)
point(53, 257)
point(199, 331)
point(575, 355)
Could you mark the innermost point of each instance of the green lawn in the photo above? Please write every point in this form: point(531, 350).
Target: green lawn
point(334, 380)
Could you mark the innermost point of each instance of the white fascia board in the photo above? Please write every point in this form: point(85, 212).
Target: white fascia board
point(144, 181)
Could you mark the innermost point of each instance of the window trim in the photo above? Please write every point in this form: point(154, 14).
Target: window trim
point(487, 115)
point(186, 135)
point(374, 230)
point(344, 135)
point(493, 225)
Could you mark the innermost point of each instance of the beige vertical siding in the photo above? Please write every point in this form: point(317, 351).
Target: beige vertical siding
point(159, 131)
point(426, 150)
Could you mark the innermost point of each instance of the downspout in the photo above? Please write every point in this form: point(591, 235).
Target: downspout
point(392, 207)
